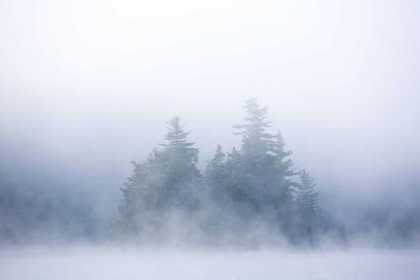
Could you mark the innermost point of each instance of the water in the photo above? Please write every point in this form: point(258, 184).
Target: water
point(101, 264)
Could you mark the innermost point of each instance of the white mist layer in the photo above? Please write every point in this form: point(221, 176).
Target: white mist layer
point(114, 264)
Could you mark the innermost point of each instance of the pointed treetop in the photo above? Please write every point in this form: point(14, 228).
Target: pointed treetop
point(255, 120)
point(177, 138)
point(217, 161)
point(219, 153)
point(307, 196)
point(307, 181)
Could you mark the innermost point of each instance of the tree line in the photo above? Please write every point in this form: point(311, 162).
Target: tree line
point(251, 195)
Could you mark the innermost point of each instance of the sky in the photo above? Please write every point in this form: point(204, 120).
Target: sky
point(88, 85)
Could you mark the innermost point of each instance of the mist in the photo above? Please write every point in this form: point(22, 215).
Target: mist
point(87, 87)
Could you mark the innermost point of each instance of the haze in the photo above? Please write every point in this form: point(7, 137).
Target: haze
point(88, 86)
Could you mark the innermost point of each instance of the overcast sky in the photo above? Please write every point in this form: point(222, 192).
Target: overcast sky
point(92, 83)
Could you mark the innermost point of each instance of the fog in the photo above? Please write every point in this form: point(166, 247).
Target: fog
point(206, 265)
point(86, 87)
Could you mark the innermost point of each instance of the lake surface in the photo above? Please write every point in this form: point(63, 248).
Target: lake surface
point(80, 264)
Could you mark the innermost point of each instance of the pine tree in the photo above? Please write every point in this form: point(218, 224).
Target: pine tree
point(307, 198)
point(261, 185)
point(307, 202)
point(166, 181)
point(177, 138)
point(144, 198)
point(255, 140)
point(133, 200)
point(216, 177)
point(283, 168)
point(216, 196)
point(184, 178)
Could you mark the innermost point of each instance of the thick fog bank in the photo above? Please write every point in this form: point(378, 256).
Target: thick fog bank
point(115, 264)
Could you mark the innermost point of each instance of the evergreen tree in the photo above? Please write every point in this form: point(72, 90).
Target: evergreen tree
point(167, 181)
point(183, 174)
point(307, 198)
point(307, 202)
point(283, 171)
point(265, 161)
point(178, 144)
point(216, 177)
point(255, 141)
point(216, 198)
point(260, 182)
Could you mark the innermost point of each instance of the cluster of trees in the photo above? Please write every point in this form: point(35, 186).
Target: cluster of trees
point(248, 196)
point(252, 194)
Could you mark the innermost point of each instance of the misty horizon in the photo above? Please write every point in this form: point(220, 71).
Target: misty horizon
point(92, 170)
